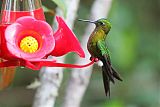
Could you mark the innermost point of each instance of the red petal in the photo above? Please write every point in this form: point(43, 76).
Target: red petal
point(65, 40)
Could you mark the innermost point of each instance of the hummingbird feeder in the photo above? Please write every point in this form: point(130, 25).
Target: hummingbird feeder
point(26, 39)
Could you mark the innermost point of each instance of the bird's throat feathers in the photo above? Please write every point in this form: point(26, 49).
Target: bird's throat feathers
point(99, 33)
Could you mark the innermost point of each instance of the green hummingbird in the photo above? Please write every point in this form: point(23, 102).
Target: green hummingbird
point(97, 48)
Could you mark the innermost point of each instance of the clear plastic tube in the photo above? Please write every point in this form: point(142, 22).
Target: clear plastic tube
point(13, 9)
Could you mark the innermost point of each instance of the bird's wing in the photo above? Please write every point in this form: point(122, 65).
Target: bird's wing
point(105, 58)
point(107, 70)
point(106, 53)
point(102, 46)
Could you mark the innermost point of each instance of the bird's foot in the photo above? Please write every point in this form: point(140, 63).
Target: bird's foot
point(95, 59)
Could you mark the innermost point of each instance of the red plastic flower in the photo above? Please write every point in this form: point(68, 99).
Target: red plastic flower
point(65, 40)
point(29, 41)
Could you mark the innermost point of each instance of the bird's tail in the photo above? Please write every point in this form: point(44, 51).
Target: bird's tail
point(109, 74)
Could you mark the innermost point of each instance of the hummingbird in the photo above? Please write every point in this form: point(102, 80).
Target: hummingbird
point(96, 46)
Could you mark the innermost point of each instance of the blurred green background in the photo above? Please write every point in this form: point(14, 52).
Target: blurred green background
point(134, 42)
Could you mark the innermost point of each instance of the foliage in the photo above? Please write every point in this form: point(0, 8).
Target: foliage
point(51, 3)
point(62, 5)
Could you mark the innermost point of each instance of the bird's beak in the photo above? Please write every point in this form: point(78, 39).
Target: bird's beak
point(87, 21)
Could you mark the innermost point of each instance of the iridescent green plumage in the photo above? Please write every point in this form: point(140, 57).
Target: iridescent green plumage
point(97, 48)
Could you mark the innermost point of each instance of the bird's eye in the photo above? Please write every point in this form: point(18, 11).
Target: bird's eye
point(102, 23)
